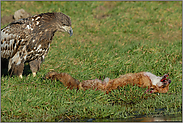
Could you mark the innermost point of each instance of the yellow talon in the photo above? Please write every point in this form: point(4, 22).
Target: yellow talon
point(20, 76)
point(34, 74)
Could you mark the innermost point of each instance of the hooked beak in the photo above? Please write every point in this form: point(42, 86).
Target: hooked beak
point(68, 29)
point(70, 32)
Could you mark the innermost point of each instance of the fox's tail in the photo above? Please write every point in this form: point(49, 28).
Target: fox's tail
point(71, 82)
point(65, 78)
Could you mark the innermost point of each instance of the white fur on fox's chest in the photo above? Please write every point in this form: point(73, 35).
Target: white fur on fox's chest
point(156, 80)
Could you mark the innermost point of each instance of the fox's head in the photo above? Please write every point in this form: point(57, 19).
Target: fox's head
point(162, 86)
point(165, 80)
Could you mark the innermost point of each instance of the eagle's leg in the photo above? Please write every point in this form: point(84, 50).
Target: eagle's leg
point(35, 65)
point(18, 69)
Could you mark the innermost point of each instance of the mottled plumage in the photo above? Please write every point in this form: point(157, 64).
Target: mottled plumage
point(28, 40)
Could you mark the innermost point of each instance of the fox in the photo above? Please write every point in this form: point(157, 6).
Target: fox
point(154, 83)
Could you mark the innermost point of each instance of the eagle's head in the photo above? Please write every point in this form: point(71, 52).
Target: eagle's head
point(63, 23)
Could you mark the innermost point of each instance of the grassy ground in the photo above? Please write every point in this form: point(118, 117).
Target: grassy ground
point(110, 39)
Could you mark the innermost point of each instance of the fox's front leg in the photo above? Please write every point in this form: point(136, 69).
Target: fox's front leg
point(160, 90)
point(147, 91)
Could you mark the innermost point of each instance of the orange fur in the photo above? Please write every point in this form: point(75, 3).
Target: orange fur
point(141, 79)
point(138, 79)
point(95, 84)
point(162, 89)
point(65, 78)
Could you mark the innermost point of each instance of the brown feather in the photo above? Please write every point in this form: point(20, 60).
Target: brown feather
point(29, 38)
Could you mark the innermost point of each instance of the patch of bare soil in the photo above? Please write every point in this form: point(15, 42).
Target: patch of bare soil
point(17, 15)
point(7, 19)
point(101, 12)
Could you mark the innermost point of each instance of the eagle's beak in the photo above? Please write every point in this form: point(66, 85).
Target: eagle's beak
point(68, 29)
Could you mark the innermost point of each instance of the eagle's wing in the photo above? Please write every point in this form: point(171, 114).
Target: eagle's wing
point(23, 40)
point(13, 37)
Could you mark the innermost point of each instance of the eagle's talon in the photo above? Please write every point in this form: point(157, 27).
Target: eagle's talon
point(20, 76)
point(34, 74)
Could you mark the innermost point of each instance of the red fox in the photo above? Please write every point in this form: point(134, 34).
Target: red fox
point(142, 79)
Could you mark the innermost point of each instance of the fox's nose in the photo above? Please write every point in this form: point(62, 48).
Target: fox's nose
point(169, 81)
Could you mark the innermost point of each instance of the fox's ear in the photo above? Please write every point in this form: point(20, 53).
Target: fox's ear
point(165, 76)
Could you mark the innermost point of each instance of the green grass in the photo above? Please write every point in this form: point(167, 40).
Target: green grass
point(110, 39)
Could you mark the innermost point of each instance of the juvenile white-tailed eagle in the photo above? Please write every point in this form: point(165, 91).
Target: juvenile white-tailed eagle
point(28, 40)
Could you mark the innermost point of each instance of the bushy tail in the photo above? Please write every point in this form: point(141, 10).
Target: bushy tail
point(71, 82)
point(65, 78)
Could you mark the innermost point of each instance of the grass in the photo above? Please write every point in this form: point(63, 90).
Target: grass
point(110, 39)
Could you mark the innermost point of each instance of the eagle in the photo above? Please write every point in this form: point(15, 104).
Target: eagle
point(28, 40)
